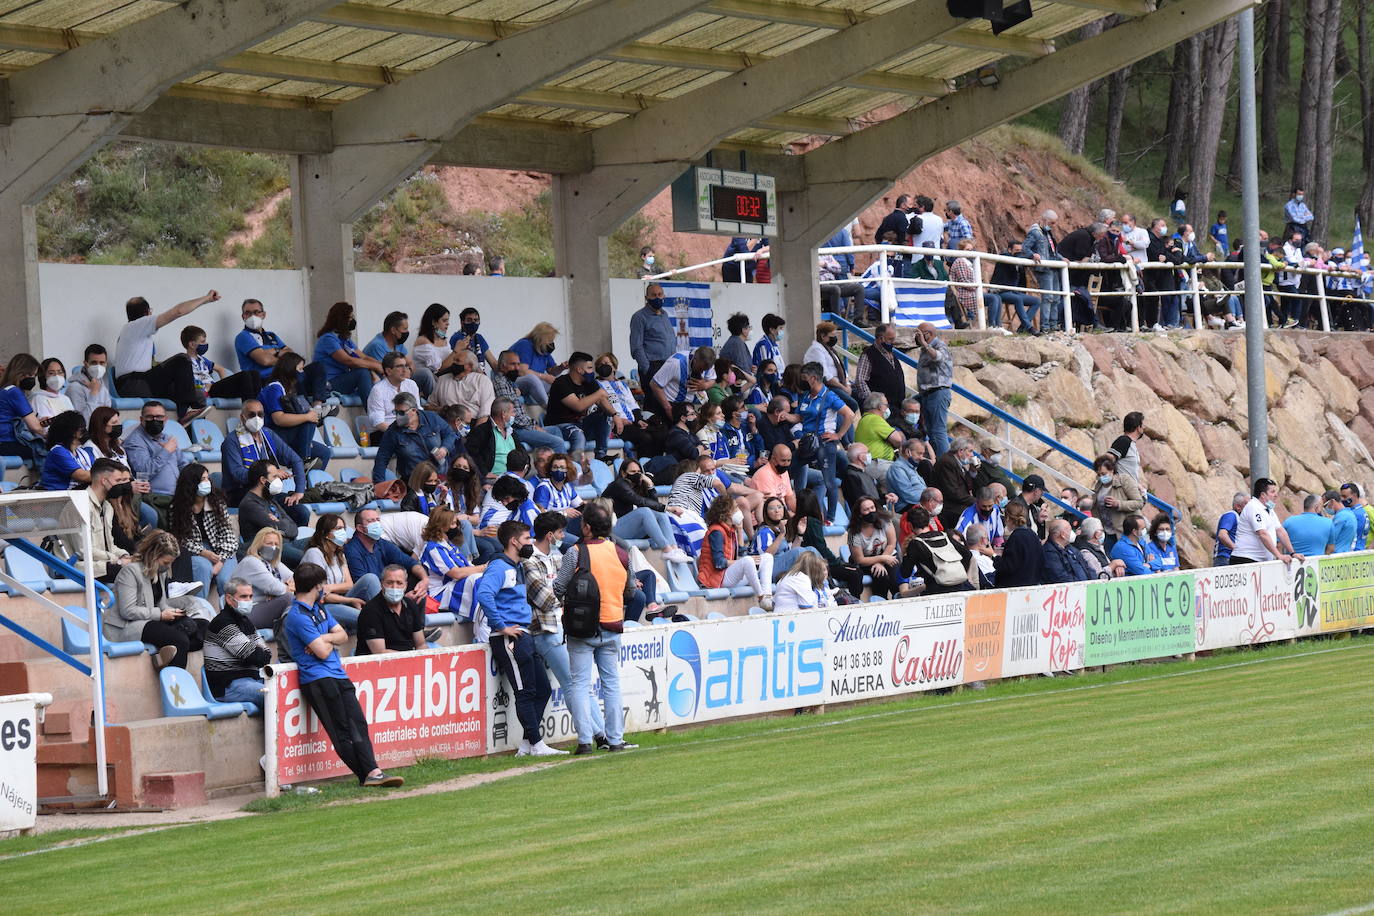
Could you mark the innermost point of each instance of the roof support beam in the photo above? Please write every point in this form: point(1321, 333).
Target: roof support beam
point(846, 175)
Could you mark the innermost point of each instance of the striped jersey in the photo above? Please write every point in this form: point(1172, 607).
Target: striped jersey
point(452, 595)
point(550, 497)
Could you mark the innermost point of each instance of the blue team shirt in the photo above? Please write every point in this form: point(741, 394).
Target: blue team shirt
point(58, 468)
point(14, 404)
point(1228, 523)
point(538, 362)
point(304, 625)
point(247, 341)
point(495, 515)
point(1133, 556)
point(1309, 533)
point(1343, 529)
point(271, 396)
point(820, 413)
point(1221, 234)
point(383, 554)
point(324, 351)
point(1161, 559)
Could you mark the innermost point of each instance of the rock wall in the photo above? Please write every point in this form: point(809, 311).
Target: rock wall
point(1191, 388)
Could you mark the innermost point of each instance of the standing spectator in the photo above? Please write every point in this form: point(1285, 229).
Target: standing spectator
point(609, 566)
point(154, 456)
point(926, 227)
point(653, 338)
point(326, 551)
point(963, 273)
point(313, 637)
point(934, 375)
point(395, 379)
point(234, 652)
point(501, 595)
point(894, 230)
point(942, 563)
point(878, 370)
point(1162, 310)
point(1310, 530)
point(1062, 563)
point(537, 368)
point(346, 368)
point(1352, 496)
point(145, 610)
point(290, 415)
point(1040, 246)
point(769, 346)
point(646, 262)
point(735, 271)
point(1226, 530)
point(1023, 558)
point(135, 374)
point(1135, 238)
point(88, 388)
point(736, 348)
point(825, 419)
point(823, 351)
point(1299, 216)
point(416, 435)
point(1027, 307)
point(1126, 451)
point(1343, 524)
point(1220, 235)
point(1179, 209)
point(957, 226)
point(392, 621)
point(1130, 547)
point(1115, 496)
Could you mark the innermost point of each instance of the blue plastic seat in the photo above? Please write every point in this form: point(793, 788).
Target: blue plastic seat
point(632, 624)
point(715, 615)
point(181, 696)
point(7, 486)
point(227, 403)
point(248, 708)
point(340, 438)
point(602, 475)
point(208, 436)
point(28, 570)
point(641, 543)
point(349, 400)
point(11, 461)
point(587, 491)
point(683, 579)
point(348, 475)
point(441, 619)
point(663, 489)
point(615, 444)
point(756, 610)
point(742, 591)
point(77, 641)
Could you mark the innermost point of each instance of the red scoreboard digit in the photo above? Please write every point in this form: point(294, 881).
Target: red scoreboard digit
point(739, 205)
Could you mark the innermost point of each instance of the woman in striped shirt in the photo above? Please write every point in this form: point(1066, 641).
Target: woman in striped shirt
point(452, 577)
point(555, 493)
point(770, 538)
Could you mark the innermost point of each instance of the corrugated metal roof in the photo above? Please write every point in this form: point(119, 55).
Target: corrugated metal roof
point(359, 45)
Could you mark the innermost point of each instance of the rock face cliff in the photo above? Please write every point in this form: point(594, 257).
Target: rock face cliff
point(1191, 388)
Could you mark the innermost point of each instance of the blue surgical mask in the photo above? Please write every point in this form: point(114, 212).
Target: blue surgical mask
point(720, 424)
point(913, 418)
point(375, 531)
point(1002, 503)
point(394, 595)
point(203, 488)
point(1269, 505)
point(655, 304)
point(339, 536)
point(1104, 478)
point(648, 260)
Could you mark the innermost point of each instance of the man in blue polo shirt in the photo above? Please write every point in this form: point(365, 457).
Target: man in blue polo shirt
point(1343, 523)
point(313, 638)
point(392, 339)
point(368, 551)
point(1310, 530)
point(256, 347)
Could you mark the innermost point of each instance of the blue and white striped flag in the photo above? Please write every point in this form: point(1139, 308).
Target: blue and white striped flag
point(689, 304)
point(1357, 244)
point(918, 302)
point(689, 530)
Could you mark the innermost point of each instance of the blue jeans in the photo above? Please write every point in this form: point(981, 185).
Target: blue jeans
point(302, 441)
point(554, 651)
point(1026, 306)
point(534, 388)
point(1049, 289)
point(572, 433)
point(934, 414)
point(423, 379)
point(831, 466)
point(244, 690)
point(354, 381)
point(200, 569)
point(604, 650)
point(531, 438)
point(367, 586)
point(147, 515)
point(785, 559)
point(1169, 312)
point(993, 303)
point(645, 595)
point(644, 522)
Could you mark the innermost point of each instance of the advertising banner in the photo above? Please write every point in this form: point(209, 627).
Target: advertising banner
point(985, 624)
point(1242, 605)
point(418, 704)
point(1044, 630)
point(1345, 591)
point(894, 647)
point(1137, 618)
point(18, 762)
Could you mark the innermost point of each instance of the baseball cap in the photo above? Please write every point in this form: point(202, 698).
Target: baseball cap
point(1033, 481)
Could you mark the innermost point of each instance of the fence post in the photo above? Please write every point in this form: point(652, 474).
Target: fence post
point(1129, 285)
point(1321, 300)
point(1197, 298)
point(978, 293)
point(885, 291)
point(1065, 299)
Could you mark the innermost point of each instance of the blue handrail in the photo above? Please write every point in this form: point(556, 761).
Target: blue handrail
point(104, 597)
point(848, 328)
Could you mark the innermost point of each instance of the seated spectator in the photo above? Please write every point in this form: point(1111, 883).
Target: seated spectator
point(109, 481)
point(904, 477)
point(417, 435)
point(807, 528)
point(466, 384)
point(1026, 306)
point(881, 439)
point(537, 368)
point(343, 596)
point(1062, 562)
point(771, 537)
point(962, 271)
point(873, 546)
point(87, 387)
point(290, 416)
point(392, 339)
point(432, 350)
point(1115, 496)
point(135, 374)
point(627, 422)
point(942, 563)
point(579, 408)
point(262, 506)
point(985, 512)
point(555, 493)
point(767, 385)
point(769, 346)
point(145, 611)
point(952, 475)
point(465, 498)
point(68, 464)
point(729, 381)
point(50, 397)
point(984, 555)
point(234, 652)
point(742, 442)
point(459, 419)
point(806, 589)
point(1091, 546)
point(469, 340)
point(395, 380)
point(707, 428)
point(774, 479)
point(858, 483)
point(639, 512)
point(369, 551)
point(1130, 547)
point(1023, 558)
point(20, 430)
point(392, 621)
point(346, 369)
point(679, 442)
point(504, 385)
point(451, 577)
point(492, 442)
point(312, 639)
point(425, 490)
point(211, 380)
point(722, 564)
point(251, 442)
point(257, 348)
point(154, 456)
point(199, 520)
point(510, 499)
point(680, 378)
point(1161, 554)
point(695, 488)
point(262, 568)
point(990, 473)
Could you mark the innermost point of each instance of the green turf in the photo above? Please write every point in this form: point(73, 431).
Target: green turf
point(1237, 784)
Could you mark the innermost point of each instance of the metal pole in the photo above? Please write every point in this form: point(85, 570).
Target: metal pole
point(1066, 300)
point(1321, 300)
point(1258, 409)
point(1197, 299)
point(978, 293)
point(95, 634)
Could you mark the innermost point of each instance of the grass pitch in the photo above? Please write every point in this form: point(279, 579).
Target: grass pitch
point(1235, 784)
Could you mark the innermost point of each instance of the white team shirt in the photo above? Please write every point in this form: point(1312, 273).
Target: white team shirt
point(1255, 518)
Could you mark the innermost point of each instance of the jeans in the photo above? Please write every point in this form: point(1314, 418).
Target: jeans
point(367, 586)
point(515, 659)
point(642, 597)
point(572, 434)
point(531, 438)
point(993, 303)
point(552, 648)
point(596, 427)
point(336, 706)
point(244, 690)
point(354, 381)
point(534, 388)
point(147, 515)
point(829, 461)
point(604, 650)
point(423, 379)
point(1169, 312)
point(1026, 306)
point(934, 411)
point(786, 558)
point(200, 571)
point(1050, 300)
point(644, 522)
point(301, 439)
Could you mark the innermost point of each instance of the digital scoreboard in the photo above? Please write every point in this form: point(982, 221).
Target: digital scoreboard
point(721, 202)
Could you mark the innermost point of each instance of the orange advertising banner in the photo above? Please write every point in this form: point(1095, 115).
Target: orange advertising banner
point(985, 624)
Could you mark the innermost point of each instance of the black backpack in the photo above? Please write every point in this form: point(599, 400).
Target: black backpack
point(582, 600)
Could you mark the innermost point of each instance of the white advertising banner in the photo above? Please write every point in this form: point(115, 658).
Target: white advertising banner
point(18, 762)
point(894, 647)
point(1243, 605)
point(1045, 632)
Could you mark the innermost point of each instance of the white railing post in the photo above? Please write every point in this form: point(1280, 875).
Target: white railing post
point(1131, 286)
point(1321, 300)
point(979, 307)
point(1197, 298)
point(1065, 299)
point(886, 294)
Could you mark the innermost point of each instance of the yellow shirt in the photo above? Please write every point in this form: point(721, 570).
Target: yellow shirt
point(873, 431)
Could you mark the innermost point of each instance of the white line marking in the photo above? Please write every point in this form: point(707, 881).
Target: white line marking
point(1354, 910)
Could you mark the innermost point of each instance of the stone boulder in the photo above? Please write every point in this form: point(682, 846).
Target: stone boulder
point(965, 378)
point(1352, 360)
point(1020, 351)
point(1065, 397)
point(1335, 386)
point(1004, 380)
point(1176, 433)
point(1224, 445)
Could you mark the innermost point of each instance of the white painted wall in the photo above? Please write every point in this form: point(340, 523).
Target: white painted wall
point(84, 304)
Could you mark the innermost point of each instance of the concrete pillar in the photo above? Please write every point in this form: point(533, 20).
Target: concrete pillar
point(794, 268)
point(21, 322)
point(323, 242)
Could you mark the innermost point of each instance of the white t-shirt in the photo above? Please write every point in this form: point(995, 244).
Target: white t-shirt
point(380, 410)
point(932, 229)
point(405, 529)
point(134, 348)
point(1255, 518)
point(816, 353)
point(1137, 243)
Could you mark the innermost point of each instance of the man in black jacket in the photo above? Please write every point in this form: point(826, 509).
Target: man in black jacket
point(857, 482)
point(1161, 311)
point(897, 221)
point(1078, 246)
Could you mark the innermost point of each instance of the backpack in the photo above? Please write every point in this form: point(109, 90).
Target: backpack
point(279, 638)
point(582, 600)
point(946, 563)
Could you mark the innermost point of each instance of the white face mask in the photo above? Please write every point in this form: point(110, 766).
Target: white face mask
point(96, 371)
point(737, 518)
point(203, 488)
point(394, 595)
point(253, 424)
point(244, 607)
point(55, 382)
point(253, 323)
point(939, 508)
point(275, 486)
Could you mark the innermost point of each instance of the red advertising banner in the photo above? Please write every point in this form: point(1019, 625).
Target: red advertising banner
point(418, 704)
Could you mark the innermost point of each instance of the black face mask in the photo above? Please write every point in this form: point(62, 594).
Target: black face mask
point(526, 552)
point(832, 340)
point(28, 384)
point(455, 533)
point(604, 370)
point(460, 474)
point(402, 337)
point(470, 328)
point(872, 518)
point(546, 348)
point(352, 324)
point(153, 427)
point(511, 374)
point(121, 490)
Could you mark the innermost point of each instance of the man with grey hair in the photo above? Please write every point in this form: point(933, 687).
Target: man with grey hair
point(468, 386)
point(234, 652)
point(934, 376)
point(1040, 246)
point(875, 431)
point(976, 540)
point(953, 475)
point(1225, 535)
point(1062, 562)
point(1091, 545)
point(906, 476)
point(858, 483)
point(957, 226)
point(878, 370)
point(527, 432)
point(416, 436)
point(395, 379)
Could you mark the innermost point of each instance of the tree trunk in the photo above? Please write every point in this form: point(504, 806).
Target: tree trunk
point(1304, 149)
point(1177, 129)
point(1321, 190)
point(1271, 159)
point(1117, 85)
point(1284, 40)
point(1073, 120)
point(1219, 56)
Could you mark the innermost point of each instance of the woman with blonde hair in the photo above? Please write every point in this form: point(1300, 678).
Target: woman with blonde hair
point(537, 368)
point(274, 588)
point(146, 611)
point(806, 588)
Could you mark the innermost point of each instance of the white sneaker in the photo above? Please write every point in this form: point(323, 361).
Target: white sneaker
point(524, 750)
point(543, 750)
point(676, 555)
point(1216, 322)
point(1157, 327)
point(766, 602)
